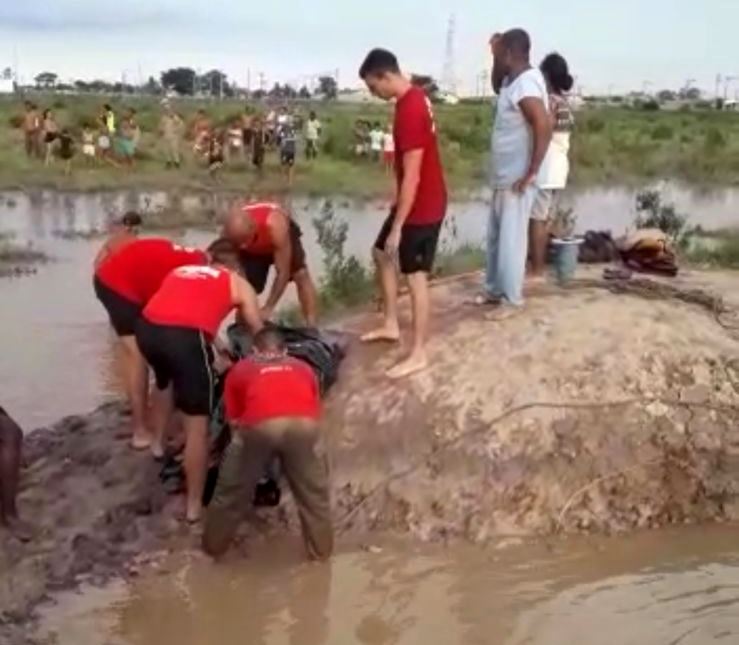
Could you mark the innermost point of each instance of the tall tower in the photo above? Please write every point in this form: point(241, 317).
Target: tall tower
point(448, 76)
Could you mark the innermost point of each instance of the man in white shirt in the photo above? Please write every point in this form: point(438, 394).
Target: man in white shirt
point(521, 136)
point(312, 135)
point(376, 141)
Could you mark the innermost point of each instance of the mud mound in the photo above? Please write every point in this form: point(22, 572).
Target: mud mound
point(499, 437)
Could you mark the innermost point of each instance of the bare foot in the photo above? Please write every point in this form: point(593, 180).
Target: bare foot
point(414, 363)
point(157, 450)
point(194, 513)
point(141, 440)
point(384, 334)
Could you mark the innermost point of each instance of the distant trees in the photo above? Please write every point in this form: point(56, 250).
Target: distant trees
point(328, 87)
point(180, 79)
point(46, 80)
point(666, 95)
point(690, 94)
point(304, 93)
point(215, 83)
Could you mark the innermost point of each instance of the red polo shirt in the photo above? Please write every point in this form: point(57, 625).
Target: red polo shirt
point(258, 390)
point(415, 129)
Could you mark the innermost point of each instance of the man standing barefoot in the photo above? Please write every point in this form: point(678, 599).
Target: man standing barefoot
point(409, 236)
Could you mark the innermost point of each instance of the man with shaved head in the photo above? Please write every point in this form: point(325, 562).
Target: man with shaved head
point(521, 137)
point(267, 236)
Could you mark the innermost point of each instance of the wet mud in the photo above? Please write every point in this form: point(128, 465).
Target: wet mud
point(590, 412)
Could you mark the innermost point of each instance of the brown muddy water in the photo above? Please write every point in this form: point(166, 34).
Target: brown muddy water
point(56, 348)
point(664, 588)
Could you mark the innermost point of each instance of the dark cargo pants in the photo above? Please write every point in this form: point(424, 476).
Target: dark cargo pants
point(295, 442)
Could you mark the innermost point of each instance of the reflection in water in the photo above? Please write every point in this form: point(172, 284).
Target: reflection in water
point(55, 342)
point(676, 586)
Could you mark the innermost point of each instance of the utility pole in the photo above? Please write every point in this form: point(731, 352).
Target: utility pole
point(718, 85)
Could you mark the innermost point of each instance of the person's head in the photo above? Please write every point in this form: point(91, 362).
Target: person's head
point(381, 72)
point(132, 221)
point(201, 113)
point(47, 113)
point(28, 105)
point(270, 342)
point(107, 108)
point(312, 116)
point(377, 126)
point(238, 228)
point(131, 113)
point(224, 252)
point(557, 74)
point(513, 50)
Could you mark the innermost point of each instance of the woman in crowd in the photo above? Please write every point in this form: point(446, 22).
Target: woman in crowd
point(50, 130)
point(555, 169)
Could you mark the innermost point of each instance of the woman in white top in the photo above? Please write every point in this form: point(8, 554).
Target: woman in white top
point(388, 149)
point(555, 168)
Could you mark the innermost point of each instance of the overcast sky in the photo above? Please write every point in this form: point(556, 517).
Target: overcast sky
point(616, 42)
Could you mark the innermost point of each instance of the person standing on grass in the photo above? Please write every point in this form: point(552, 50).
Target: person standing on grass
point(312, 136)
point(50, 135)
point(521, 136)
point(31, 129)
point(376, 140)
point(409, 237)
point(273, 407)
point(288, 151)
point(66, 150)
point(175, 333)
point(172, 130)
point(11, 445)
point(555, 168)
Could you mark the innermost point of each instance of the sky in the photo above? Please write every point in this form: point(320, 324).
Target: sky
point(612, 45)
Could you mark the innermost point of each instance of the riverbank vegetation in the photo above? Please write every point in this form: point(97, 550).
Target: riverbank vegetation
point(610, 145)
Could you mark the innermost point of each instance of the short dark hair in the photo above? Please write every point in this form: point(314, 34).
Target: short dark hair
point(224, 251)
point(131, 219)
point(269, 339)
point(517, 41)
point(107, 106)
point(379, 62)
point(557, 72)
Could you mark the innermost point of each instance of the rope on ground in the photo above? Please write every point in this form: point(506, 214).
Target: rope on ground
point(344, 522)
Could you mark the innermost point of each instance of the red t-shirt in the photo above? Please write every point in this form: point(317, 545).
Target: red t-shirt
point(262, 242)
point(195, 297)
point(415, 129)
point(137, 270)
point(258, 390)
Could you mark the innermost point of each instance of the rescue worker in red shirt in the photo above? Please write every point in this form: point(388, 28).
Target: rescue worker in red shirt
point(409, 237)
point(273, 408)
point(124, 282)
point(123, 232)
point(268, 236)
point(175, 333)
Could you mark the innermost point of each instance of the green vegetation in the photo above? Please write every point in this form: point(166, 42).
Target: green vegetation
point(610, 145)
point(717, 249)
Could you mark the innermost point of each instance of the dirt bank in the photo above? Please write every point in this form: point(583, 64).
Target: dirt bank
point(591, 411)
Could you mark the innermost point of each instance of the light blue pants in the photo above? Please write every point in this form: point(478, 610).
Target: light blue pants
point(508, 244)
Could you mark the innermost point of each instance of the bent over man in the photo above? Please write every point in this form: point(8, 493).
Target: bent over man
point(175, 334)
point(273, 406)
point(267, 236)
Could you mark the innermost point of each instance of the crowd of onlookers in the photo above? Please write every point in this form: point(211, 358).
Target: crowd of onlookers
point(114, 138)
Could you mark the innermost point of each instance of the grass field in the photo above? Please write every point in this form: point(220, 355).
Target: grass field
point(609, 146)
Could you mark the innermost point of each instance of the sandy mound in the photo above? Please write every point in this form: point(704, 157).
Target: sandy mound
point(590, 411)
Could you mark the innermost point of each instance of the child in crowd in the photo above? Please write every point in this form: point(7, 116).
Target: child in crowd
point(215, 155)
point(103, 150)
point(88, 145)
point(376, 137)
point(288, 144)
point(66, 150)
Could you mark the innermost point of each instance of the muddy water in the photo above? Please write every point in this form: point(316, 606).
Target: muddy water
point(54, 340)
point(679, 586)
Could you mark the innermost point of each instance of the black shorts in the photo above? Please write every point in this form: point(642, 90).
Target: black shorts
point(122, 312)
point(183, 357)
point(256, 267)
point(417, 245)
point(287, 157)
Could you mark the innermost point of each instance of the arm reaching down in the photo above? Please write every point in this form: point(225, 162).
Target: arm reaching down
point(279, 226)
point(536, 114)
point(245, 299)
point(412, 161)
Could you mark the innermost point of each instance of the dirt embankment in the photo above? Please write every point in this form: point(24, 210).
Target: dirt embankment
point(590, 411)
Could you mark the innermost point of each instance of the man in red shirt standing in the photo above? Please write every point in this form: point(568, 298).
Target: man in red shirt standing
point(410, 234)
point(125, 280)
point(273, 407)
